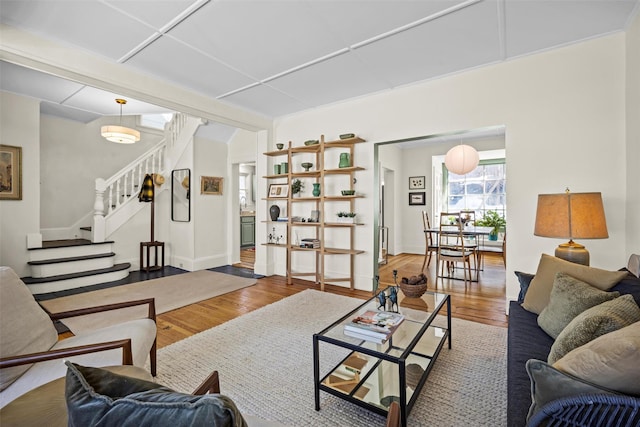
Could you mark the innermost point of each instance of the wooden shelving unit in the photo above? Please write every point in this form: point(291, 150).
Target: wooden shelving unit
point(318, 174)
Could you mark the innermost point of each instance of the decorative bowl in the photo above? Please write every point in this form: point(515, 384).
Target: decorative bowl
point(413, 291)
point(306, 166)
point(280, 146)
point(347, 135)
point(348, 192)
point(311, 142)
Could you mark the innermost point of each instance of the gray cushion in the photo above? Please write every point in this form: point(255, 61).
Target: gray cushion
point(24, 326)
point(539, 291)
point(594, 322)
point(548, 384)
point(569, 297)
point(98, 397)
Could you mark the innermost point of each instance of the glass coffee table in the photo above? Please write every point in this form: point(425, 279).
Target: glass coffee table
point(372, 375)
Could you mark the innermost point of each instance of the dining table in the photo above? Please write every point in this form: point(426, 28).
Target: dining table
point(469, 231)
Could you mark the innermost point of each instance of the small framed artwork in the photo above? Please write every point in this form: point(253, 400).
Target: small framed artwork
point(278, 190)
point(416, 183)
point(211, 185)
point(416, 198)
point(10, 172)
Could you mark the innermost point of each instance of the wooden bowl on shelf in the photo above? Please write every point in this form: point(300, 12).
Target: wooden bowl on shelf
point(348, 192)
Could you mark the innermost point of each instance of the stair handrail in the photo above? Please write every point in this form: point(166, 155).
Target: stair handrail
point(123, 186)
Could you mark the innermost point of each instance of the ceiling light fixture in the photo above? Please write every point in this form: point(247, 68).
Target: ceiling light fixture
point(119, 133)
point(461, 159)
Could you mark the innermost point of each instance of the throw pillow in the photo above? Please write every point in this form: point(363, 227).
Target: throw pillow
point(537, 297)
point(525, 280)
point(594, 322)
point(569, 297)
point(549, 384)
point(609, 361)
point(99, 397)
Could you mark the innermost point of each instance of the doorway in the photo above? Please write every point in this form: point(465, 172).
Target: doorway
point(247, 201)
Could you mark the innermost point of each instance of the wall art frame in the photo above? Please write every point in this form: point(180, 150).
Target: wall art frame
point(278, 191)
point(10, 172)
point(417, 198)
point(416, 183)
point(211, 185)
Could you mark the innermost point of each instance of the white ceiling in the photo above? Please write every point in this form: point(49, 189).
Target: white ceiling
point(279, 57)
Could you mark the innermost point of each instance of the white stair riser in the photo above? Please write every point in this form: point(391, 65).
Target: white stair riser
point(69, 251)
point(43, 288)
point(55, 269)
point(85, 234)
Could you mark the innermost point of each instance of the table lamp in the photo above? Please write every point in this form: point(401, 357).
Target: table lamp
point(571, 215)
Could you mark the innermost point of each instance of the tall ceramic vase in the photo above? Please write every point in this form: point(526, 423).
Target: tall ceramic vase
point(316, 189)
point(345, 161)
point(274, 212)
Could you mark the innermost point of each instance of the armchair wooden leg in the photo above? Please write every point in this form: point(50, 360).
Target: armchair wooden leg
point(153, 356)
point(209, 385)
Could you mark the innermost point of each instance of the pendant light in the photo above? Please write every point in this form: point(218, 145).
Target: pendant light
point(120, 134)
point(461, 159)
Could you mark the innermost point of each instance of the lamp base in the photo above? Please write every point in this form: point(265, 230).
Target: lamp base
point(573, 252)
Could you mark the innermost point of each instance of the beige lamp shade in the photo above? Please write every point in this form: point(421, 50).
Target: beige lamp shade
point(461, 159)
point(571, 216)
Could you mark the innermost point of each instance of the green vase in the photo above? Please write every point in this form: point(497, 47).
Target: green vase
point(316, 189)
point(345, 161)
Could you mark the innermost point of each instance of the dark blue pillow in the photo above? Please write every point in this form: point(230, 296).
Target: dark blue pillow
point(525, 281)
point(98, 397)
point(629, 285)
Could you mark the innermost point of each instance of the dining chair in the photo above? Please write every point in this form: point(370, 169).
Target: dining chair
point(468, 218)
point(451, 247)
point(431, 245)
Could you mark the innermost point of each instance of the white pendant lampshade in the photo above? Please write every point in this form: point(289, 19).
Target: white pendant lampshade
point(461, 159)
point(119, 133)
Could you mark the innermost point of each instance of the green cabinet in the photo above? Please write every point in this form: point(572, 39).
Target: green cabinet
point(247, 231)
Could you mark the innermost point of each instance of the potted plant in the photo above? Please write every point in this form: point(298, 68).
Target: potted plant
point(347, 217)
point(297, 186)
point(492, 219)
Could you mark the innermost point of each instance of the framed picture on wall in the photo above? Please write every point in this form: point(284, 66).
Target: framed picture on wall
point(417, 198)
point(416, 183)
point(211, 185)
point(10, 172)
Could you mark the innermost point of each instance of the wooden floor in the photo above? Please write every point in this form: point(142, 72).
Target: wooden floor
point(482, 302)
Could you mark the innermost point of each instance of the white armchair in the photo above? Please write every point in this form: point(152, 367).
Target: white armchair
point(31, 355)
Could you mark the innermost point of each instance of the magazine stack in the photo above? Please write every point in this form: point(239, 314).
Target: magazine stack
point(375, 326)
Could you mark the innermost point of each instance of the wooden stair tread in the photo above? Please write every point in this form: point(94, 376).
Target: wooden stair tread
point(70, 259)
point(50, 244)
point(117, 267)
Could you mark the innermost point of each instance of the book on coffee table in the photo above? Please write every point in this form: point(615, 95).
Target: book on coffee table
point(375, 324)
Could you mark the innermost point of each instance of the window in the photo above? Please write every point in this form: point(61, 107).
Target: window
point(481, 190)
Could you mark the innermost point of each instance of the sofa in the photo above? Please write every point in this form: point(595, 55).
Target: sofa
point(544, 388)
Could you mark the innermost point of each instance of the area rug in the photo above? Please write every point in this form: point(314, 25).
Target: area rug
point(169, 292)
point(265, 362)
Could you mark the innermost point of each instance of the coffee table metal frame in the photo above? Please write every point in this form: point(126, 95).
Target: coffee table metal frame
point(409, 346)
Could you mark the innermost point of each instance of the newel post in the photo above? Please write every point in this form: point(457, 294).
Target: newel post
point(98, 229)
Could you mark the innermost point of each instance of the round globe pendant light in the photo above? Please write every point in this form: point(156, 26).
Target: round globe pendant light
point(120, 134)
point(461, 159)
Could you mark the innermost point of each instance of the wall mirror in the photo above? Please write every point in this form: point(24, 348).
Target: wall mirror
point(180, 195)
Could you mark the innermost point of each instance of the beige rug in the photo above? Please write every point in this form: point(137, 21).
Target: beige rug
point(265, 362)
point(169, 292)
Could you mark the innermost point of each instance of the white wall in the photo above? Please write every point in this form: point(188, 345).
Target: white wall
point(19, 126)
point(210, 211)
point(73, 155)
point(633, 137)
point(564, 115)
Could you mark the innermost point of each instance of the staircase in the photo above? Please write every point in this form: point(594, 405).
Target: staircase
point(67, 264)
